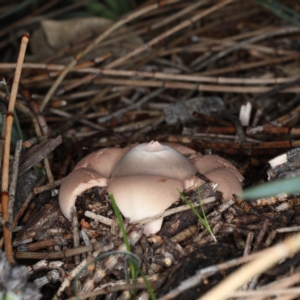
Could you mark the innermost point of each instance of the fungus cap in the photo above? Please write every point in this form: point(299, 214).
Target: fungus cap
point(145, 196)
point(154, 159)
point(102, 161)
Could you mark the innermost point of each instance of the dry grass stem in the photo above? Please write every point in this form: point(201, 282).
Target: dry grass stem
point(5, 168)
point(13, 180)
point(101, 37)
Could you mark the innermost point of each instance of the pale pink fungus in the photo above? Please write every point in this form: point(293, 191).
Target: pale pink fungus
point(146, 178)
point(103, 161)
point(75, 184)
point(184, 150)
point(228, 183)
point(145, 196)
point(154, 159)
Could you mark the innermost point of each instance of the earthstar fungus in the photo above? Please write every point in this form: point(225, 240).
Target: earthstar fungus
point(145, 179)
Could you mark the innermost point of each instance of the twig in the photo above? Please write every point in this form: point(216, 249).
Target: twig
point(3, 111)
point(166, 34)
point(13, 182)
point(252, 65)
point(193, 86)
point(47, 187)
point(5, 170)
point(101, 37)
point(267, 259)
point(285, 30)
point(174, 211)
point(29, 197)
point(160, 75)
point(136, 105)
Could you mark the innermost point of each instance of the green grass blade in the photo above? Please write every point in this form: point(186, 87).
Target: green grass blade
point(202, 220)
point(114, 5)
point(281, 10)
point(17, 133)
point(289, 186)
point(133, 264)
point(17, 8)
point(101, 10)
point(149, 288)
point(125, 238)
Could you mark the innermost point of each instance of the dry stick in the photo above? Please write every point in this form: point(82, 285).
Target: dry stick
point(29, 197)
point(76, 234)
point(281, 283)
point(294, 292)
point(84, 65)
point(255, 145)
point(207, 272)
point(179, 14)
point(34, 140)
point(5, 170)
point(161, 75)
point(70, 117)
point(60, 240)
point(266, 128)
point(120, 112)
point(25, 110)
point(275, 91)
point(194, 78)
point(43, 126)
point(139, 125)
point(80, 116)
point(273, 126)
point(65, 253)
point(3, 111)
point(192, 86)
point(101, 37)
point(39, 18)
point(164, 35)
point(13, 181)
point(285, 30)
point(109, 222)
point(174, 211)
point(212, 47)
point(268, 258)
point(148, 128)
point(213, 24)
point(246, 66)
point(210, 42)
point(36, 12)
point(47, 187)
point(211, 270)
point(87, 79)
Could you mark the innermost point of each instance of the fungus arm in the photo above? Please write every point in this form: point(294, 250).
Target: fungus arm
point(75, 184)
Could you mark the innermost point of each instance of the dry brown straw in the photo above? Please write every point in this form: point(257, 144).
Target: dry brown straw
point(269, 258)
point(101, 37)
point(5, 169)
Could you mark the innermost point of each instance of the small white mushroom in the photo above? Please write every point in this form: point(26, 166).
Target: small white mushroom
point(145, 179)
